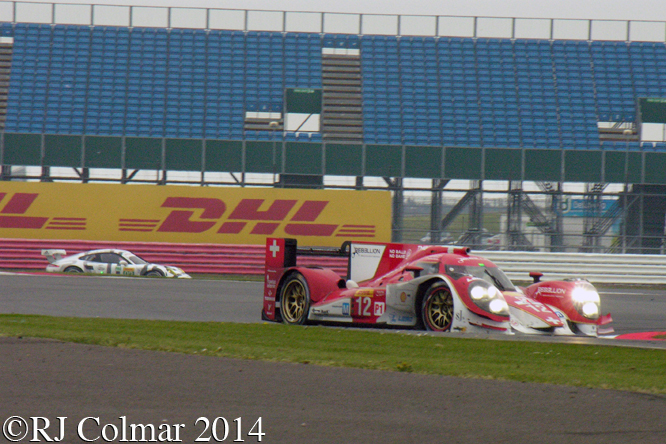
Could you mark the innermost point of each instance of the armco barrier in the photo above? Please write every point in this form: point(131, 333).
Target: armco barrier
point(249, 260)
point(193, 258)
point(597, 268)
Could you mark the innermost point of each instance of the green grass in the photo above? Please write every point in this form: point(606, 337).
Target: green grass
point(608, 367)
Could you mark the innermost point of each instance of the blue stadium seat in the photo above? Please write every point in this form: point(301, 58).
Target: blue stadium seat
point(421, 86)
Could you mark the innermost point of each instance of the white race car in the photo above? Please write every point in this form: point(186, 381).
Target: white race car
point(109, 261)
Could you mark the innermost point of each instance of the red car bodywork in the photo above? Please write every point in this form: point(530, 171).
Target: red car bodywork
point(389, 284)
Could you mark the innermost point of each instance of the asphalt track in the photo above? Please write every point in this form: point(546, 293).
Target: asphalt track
point(633, 310)
point(298, 403)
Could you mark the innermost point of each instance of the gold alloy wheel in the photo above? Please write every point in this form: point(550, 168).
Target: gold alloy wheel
point(293, 302)
point(439, 309)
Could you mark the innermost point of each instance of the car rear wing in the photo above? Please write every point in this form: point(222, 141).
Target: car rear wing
point(53, 255)
point(282, 253)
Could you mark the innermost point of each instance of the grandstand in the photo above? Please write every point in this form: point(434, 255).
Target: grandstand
point(439, 107)
point(152, 82)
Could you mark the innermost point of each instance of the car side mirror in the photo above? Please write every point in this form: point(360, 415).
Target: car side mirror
point(536, 276)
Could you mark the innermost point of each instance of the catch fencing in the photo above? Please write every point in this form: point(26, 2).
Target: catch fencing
point(25, 254)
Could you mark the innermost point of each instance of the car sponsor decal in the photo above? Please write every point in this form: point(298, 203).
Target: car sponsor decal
point(365, 292)
point(401, 319)
point(550, 291)
point(369, 260)
point(399, 253)
point(367, 304)
point(364, 260)
point(534, 308)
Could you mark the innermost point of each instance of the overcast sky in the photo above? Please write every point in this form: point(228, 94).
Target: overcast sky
point(585, 9)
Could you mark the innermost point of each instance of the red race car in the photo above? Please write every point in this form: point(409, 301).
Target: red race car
point(436, 288)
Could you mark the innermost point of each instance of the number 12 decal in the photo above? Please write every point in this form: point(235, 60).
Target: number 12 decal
point(363, 306)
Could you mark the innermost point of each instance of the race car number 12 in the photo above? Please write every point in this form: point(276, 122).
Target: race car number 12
point(363, 306)
point(219, 429)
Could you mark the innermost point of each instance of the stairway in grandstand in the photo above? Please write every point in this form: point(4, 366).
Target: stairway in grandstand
point(342, 100)
point(6, 50)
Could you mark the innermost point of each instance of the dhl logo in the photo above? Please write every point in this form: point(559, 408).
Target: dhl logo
point(247, 213)
point(370, 292)
point(249, 216)
point(11, 215)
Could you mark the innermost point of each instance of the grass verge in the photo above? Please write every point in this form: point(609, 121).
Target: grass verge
point(606, 367)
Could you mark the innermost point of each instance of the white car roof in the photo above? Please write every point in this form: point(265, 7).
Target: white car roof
point(106, 250)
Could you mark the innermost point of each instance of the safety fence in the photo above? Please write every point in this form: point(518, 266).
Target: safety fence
point(330, 22)
point(25, 254)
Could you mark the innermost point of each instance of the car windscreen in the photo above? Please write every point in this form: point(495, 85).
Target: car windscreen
point(137, 260)
point(492, 275)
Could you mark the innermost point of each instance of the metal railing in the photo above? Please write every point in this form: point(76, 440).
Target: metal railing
point(334, 23)
point(597, 268)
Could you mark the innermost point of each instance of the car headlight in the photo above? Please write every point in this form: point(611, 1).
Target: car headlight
point(499, 306)
point(582, 295)
point(586, 301)
point(590, 309)
point(488, 298)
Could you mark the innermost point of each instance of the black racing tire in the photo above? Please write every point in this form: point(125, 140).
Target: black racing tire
point(437, 308)
point(154, 273)
point(73, 269)
point(295, 300)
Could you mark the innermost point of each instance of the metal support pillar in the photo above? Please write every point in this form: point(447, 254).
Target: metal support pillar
point(514, 232)
point(359, 183)
point(396, 187)
point(557, 237)
point(592, 214)
point(46, 174)
point(476, 208)
point(436, 210)
point(473, 235)
point(623, 223)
